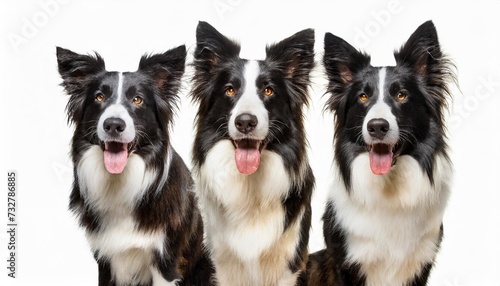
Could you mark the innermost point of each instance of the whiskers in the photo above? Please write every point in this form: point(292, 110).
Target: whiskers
point(91, 131)
point(407, 136)
point(276, 129)
point(359, 136)
point(222, 126)
point(141, 134)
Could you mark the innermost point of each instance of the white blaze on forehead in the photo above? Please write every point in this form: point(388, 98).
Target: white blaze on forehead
point(119, 88)
point(250, 102)
point(117, 110)
point(381, 110)
point(381, 84)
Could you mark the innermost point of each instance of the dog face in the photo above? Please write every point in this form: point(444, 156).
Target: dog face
point(121, 112)
point(388, 111)
point(255, 104)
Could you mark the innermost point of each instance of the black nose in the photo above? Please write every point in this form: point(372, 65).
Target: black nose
point(246, 122)
point(378, 128)
point(114, 126)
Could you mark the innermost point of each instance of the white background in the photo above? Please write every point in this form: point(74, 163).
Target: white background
point(35, 136)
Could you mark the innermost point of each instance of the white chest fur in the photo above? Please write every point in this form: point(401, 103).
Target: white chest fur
point(113, 197)
point(244, 214)
point(392, 222)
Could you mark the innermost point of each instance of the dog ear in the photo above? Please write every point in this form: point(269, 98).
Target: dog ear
point(77, 71)
point(421, 51)
point(341, 61)
point(212, 47)
point(422, 54)
point(294, 54)
point(212, 50)
point(165, 69)
point(294, 57)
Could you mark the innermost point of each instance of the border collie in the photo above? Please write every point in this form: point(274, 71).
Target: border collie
point(383, 220)
point(132, 193)
point(250, 163)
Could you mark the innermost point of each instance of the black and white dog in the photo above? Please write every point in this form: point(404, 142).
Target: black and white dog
point(250, 163)
point(383, 220)
point(132, 193)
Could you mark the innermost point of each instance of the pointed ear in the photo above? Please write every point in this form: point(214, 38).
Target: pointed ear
point(212, 47)
point(421, 50)
point(294, 58)
point(76, 69)
point(342, 61)
point(166, 69)
point(77, 72)
point(422, 53)
point(294, 54)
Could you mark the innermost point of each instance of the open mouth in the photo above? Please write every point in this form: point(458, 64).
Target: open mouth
point(116, 155)
point(247, 154)
point(382, 157)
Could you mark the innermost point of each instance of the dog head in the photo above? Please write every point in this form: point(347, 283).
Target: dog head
point(388, 111)
point(123, 112)
point(257, 104)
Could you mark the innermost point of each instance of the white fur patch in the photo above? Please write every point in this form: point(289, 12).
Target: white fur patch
point(244, 215)
point(392, 221)
point(117, 110)
point(108, 192)
point(250, 102)
point(158, 279)
point(119, 89)
point(114, 197)
point(130, 267)
point(248, 233)
point(381, 110)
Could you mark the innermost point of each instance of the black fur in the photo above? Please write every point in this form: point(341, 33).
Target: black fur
point(423, 73)
point(170, 206)
point(286, 68)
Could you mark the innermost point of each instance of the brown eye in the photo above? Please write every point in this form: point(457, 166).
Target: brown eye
point(401, 96)
point(363, 97)
point(137, 100)
point(230, 91)
point(99, 97)
point(268, 91)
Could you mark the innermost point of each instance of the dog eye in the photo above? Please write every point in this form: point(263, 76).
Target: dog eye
point(137, 100)
point(401, 96)
point(363, 97)
point(230, 91)
point(100, 97)
point(268, 91)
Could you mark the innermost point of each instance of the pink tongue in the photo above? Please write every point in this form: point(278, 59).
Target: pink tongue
point(115, 162)
point(380, 163)
point(247, 160)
